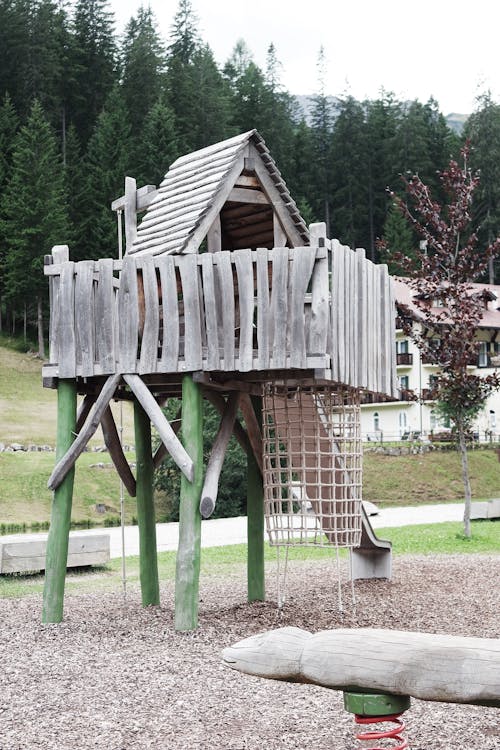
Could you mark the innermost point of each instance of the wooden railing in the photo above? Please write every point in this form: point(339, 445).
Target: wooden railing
point(307, 308)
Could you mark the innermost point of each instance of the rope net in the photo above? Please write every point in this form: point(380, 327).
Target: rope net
point(312, 465)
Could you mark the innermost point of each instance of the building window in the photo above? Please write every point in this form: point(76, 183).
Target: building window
point(402, 346)
point(404, 382)
point(483, 354)
point(376, 422)
point(403, 423)
point(493, 420)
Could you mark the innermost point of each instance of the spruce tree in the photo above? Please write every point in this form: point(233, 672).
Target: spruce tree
point(321, 127)
point(210, 110)
point(398, 239)
point(8, 127)
point(142, 63)
point(483, 131)
point(107, 162)
point(159, 146)
point(34, 215)
point(93, 62)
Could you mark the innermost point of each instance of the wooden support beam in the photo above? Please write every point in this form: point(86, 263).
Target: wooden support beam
point(253, 427)
point(67, 462)
point(113, 444)
point(244, 195)
point(144, 196)
point(84, 410)
point(161, 452)
point(214, 236)
point(167, 435)
point(60, 521)
point(187, 574)
point(239, 433)
point(130, 213)
point(255, 519)
point(148, 558)
point(216, 460)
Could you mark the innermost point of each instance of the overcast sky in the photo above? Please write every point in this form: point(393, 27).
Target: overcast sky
point(448, 49)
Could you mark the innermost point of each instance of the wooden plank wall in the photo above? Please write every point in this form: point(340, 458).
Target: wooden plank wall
point(301, 308)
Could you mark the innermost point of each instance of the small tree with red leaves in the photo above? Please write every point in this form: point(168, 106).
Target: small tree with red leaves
point(448, 308)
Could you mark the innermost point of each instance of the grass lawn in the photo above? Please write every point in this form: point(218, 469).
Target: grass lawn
point(425, 539)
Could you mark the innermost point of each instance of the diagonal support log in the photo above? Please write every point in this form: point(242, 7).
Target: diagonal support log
point(112, 442)
point(161, 452)
point(83, 411)
point(253, 427)
point(239, 432)
point(216, 460)
point(167, 435)
point(92, 423)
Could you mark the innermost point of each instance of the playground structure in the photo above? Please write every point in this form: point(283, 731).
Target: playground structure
point(286, 325)
point(378, 670)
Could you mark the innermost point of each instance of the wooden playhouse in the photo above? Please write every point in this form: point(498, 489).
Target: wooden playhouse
point(223, 294)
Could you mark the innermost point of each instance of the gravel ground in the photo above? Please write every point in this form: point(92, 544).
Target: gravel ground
point(116, 676)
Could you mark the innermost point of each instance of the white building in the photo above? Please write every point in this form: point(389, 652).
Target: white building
point(382, 420)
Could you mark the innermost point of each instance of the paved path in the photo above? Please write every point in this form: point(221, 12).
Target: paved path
point(222, 531)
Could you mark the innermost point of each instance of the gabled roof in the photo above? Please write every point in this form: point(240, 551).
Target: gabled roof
point(198, 186)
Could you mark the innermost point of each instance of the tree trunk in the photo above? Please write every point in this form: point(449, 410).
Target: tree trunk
point(465, 478)
point(25, 323)
point(41, 342)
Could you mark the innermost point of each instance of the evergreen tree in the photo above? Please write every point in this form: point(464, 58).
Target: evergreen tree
point(397, 240)
point(210, 107)
point(8, 127)
point(382, 122)
point(9, 124)
point(143, 63)
point(483, 130)
point(158, 147)
point(74, 177)
point(92, 59)
point(14, 51)
point(180, 82)
point(321, 126)
point(34, 214)
point(349, 174)
point(107, 162)
point(280, 116)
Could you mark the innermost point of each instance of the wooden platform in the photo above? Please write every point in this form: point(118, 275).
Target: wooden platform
point(26, 553)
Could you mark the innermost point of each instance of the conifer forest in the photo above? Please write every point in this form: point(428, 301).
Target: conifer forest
point(81, 106)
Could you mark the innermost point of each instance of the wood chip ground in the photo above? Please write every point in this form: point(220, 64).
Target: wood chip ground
point(115, 676)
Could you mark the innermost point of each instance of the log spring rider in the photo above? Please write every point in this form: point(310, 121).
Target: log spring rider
point(378, 670)
point(223, 294)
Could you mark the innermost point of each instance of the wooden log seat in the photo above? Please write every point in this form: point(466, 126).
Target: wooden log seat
point(446, 668)
point(26, 553)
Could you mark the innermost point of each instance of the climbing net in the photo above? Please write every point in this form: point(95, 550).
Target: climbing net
point(312, 465)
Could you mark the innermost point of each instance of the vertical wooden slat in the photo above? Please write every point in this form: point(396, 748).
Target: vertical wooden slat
point(349, 256)
point(334, 305)
point(392, 316)
point(302, 266)
point(362, 351)
point(210, 304)
point(319, 308)
point(340, 311)
point(244, 270)
point(84, 317)
point(353, 280)
point(279, 306)
point(188, 267)
point(263, 308)
point(370, 325)
point(385, 327)
point(225, 277)
point(104, 317)
point(128, 317)
point(66, 327)
point(151, 333)
point(130, 213)
point(170, 315)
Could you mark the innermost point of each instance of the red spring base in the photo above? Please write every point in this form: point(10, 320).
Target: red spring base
point(393, 733)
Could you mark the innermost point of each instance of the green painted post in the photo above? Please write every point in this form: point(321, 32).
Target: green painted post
point(148, 561)
point(187, 574)
point(255, 522)
point(60, 521)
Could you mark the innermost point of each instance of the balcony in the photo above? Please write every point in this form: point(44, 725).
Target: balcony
point(427, 394)
point(406, 394)
point(404, 358)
